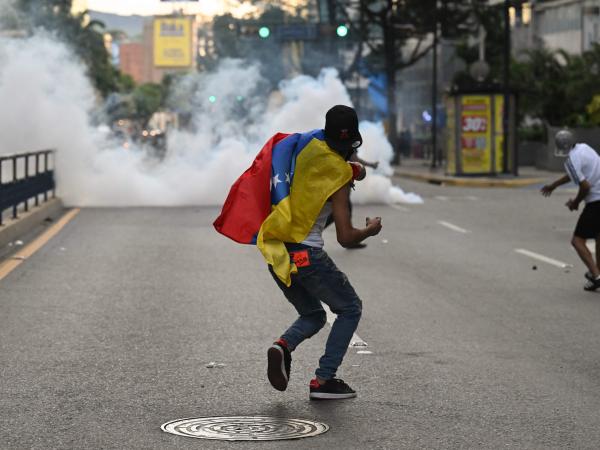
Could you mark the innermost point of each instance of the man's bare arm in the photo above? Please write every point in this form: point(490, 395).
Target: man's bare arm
point(347, 235)
point(354, 157)
point(584, 189)
point(547, 190)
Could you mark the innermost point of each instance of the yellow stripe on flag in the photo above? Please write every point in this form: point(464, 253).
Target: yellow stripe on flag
point(319, 173)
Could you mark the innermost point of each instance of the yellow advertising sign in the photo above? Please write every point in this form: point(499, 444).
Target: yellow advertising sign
point(475, 136)
point(172, 42)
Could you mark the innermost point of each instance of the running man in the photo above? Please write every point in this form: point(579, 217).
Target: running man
point(583, 168)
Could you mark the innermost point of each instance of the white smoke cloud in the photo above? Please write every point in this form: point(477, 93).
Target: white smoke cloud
point(48, 101)
point(377, 186)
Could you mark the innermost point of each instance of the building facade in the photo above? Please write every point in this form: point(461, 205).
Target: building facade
point(570, 25)
point(131, 60)
point(169, 44)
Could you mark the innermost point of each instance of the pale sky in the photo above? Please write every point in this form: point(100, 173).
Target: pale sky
point(150, 7)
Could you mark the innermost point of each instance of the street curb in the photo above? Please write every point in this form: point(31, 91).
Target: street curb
point(27, 221)
point(468, 181)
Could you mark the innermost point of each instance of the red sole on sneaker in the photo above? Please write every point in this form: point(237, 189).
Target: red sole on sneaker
point(276, 369)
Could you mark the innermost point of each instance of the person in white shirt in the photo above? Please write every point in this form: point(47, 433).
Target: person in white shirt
point(583, 168)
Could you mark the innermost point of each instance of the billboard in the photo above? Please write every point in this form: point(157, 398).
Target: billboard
point(475, 139)
point(475, 134)
point(172, 42)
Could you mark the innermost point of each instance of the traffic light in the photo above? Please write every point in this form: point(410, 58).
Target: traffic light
point(212, 99)
point(264, 32)
point(341, 31)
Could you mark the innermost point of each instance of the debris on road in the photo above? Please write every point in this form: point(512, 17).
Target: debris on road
point(214, 364)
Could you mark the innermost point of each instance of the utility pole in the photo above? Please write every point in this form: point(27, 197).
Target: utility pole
point(434, 90)
point(506, 89)
point(389, 47)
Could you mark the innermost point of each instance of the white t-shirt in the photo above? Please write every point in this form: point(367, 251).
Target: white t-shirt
point(583, 164)
point(315, 235)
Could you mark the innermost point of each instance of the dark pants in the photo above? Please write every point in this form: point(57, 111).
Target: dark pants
point(322, 281)
point(588, 225)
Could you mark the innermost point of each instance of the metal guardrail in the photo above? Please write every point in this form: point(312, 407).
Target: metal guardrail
point(23, 177)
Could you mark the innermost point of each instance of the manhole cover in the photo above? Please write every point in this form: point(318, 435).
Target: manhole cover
point(245, 428)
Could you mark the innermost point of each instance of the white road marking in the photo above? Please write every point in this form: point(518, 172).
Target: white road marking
point(543, 258)
point(442, 198)
point(399, 208)
point(453, 227)
point(356, 339)
point(471, 197)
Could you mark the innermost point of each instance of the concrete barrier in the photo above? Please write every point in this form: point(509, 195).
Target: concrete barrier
point(528, 151)
point(27, 221)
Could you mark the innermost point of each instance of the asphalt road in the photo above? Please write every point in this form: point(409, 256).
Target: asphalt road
point(106, 332)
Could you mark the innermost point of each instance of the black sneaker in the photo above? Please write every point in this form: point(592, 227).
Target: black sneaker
point(592, 285)
point(331, 390)
point(279, 366)
point(589, 276)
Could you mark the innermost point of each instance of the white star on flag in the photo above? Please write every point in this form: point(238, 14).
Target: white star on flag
point(287, 178)
point(276, 180)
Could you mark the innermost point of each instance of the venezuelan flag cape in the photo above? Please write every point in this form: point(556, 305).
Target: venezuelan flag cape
point(280, 196)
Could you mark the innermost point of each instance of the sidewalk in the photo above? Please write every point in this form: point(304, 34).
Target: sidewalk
point(420, 170)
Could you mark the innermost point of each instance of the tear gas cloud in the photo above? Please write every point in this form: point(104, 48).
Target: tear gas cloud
point(48, 102)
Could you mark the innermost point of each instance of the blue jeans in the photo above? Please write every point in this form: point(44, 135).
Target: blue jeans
point(322, 281)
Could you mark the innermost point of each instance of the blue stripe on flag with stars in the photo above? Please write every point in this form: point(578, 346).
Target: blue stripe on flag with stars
point(283, 162)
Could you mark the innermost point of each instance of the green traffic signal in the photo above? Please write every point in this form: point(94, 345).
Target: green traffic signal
point(212, 99)
point(342, 31)
point(264, 32)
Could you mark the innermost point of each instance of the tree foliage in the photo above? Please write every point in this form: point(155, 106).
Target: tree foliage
point(147, 98)
point(553, 86)
point(238, 38)
point(225, 35)
point(557, 87)
point(86, 39)
point(395, 34)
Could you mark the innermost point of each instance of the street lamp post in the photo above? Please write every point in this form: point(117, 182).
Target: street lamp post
point(434, 90)
point(506, 89)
